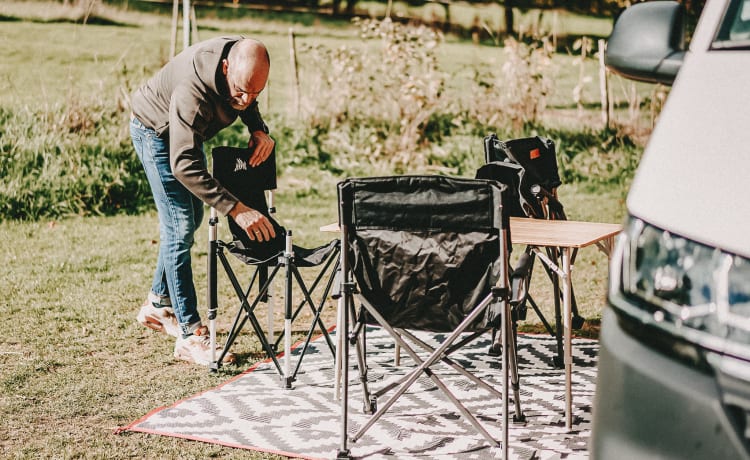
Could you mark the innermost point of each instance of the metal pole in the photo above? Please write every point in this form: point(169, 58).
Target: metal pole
point(295, 72)
point(288, 256)
point(173, 31)
point(212, 300)
point(504, 323)
point(342, 329)
point(568, 353)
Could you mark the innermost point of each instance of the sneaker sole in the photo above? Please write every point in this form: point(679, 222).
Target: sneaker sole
point(228, 359)
point(153, 323)
point(187, 357)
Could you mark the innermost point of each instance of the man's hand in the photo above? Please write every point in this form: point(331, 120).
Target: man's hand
point(257, 226)
point(262, 146)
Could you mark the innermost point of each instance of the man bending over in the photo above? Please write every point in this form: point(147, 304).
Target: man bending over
point(195, 95)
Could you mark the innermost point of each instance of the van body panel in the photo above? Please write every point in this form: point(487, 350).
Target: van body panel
point(693, 175)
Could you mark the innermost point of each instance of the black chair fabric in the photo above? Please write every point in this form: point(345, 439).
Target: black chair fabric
point(248, 185)
point(511, 174)
point(535, 154)
point(441, 241)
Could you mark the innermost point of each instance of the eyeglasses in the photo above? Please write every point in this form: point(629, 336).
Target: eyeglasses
point(240, 93)
point(250, 94)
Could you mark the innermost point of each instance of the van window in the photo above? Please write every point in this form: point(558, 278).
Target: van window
point(734, 32)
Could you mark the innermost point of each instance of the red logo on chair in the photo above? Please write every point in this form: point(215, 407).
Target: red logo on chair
point(534, 154)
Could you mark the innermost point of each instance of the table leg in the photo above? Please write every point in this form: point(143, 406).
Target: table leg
point(340, 339)
point(567, 321)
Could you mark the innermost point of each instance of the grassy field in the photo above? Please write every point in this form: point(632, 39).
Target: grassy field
point(75, 364)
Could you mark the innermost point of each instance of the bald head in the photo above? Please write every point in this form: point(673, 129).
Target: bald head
point(246, 68)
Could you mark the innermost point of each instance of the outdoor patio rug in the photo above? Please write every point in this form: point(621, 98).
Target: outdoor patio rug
point(253, 411)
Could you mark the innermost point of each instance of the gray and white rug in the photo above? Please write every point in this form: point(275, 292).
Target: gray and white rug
point(254, 411)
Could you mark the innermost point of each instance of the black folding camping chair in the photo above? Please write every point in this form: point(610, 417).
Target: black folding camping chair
point(424, 253)
point(528, 166)
point(265, 260)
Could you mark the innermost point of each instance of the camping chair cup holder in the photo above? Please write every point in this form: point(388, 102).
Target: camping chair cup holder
point(266, 260)
point(528, 166)
point(391, 229)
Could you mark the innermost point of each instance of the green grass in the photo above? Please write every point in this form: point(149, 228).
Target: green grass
point(75, 363)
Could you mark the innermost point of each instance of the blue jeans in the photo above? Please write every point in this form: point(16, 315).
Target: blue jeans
point(180, 215)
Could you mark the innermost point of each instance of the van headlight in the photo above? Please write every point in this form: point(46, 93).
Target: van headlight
point(694, 291)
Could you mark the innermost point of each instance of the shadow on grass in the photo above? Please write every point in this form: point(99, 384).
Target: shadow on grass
point(6, 18)
point(590, 329)
point(91, 20)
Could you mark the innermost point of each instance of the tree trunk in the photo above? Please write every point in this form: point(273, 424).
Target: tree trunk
point(350, 6)
point(509, 20)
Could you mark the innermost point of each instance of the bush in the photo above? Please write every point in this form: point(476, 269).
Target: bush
point(391, 84)
point(72, 160)
point(513, 93)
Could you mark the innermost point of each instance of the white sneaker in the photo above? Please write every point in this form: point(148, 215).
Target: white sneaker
point(160, 319)
point(197, 348)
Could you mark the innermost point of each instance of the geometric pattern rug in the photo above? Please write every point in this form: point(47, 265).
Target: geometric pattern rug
point(254, 411)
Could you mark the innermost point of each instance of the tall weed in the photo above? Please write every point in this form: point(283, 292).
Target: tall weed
point(391, 82)
point(513, 92)
point(72, 159)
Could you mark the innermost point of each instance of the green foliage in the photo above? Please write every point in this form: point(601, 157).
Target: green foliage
point(597, 158)
point(390, 82)
point(67, 161)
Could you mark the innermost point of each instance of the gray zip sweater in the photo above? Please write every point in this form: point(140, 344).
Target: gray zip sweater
point(186, 102)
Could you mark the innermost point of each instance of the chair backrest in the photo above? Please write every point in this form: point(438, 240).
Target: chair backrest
point(425, 250)
point(248, 184)
point(535, 154)
point(517, 204)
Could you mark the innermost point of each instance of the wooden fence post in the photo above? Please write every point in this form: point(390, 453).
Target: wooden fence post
point(603, 84)
point(185, 23)
point(194, 25)
point(295, 72)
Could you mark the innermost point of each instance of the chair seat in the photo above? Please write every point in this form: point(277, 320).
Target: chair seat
point(303, 257)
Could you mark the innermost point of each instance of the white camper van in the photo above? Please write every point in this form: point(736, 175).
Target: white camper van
point(674, 364)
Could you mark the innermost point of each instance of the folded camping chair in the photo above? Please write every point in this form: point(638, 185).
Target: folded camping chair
point(266, 259)
point(529, 167)
point(424, 253)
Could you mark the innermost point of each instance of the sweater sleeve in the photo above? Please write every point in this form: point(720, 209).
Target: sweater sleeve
point(187, 132)
point(252, 119)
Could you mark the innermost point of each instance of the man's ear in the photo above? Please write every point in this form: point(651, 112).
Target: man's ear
point(224, 66)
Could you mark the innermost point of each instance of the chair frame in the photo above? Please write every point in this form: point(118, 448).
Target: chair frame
point(284, 258)
point(246, 310)
point(544, 204)
point(404, 339)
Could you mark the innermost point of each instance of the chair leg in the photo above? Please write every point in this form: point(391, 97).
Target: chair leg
point(316, 311)
point(249, 312)
point(512, 363)
point(346, 311)
point(423, 368)
point(316, 319)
